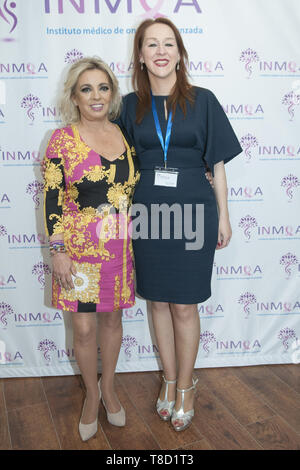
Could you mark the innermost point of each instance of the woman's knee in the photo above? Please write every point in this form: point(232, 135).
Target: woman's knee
point(184, 312)
point(84, 331)
point(157, 307)
point(111, 320)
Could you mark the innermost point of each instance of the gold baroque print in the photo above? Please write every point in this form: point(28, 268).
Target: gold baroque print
point(117, 293)
point(55, 289)
point(108, 231)
point(112, 174)
point(72, 192)
point(61, 197)
point(78, 241)
point(79, 223)
point(86, 284)
point(89, 214)
point(64, 145)
point(106, 209)
point(58, 226)
point(77, 151)
point(53, 175)
point(56, 144)
point(96, 173)
point(116, 194)
point(75, 230)
point(70, 308)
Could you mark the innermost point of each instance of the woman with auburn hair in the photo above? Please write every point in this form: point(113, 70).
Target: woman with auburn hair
point(90, 173)
point(179, 130)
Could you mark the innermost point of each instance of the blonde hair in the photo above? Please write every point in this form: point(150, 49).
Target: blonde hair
point(69, 112)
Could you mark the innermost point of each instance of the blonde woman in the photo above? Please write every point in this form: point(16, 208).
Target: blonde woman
point(90, 174)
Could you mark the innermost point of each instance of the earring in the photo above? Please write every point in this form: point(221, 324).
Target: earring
point(177, 66)
point(142, 66)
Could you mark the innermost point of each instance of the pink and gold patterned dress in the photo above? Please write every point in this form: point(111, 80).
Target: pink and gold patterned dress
point(87, 198)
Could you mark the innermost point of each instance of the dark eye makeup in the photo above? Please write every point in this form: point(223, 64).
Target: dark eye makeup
point(102, 87)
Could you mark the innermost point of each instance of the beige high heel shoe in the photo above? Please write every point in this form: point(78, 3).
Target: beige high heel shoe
point(164, 407)
point(87, 431)
point(181, 415)
point(116, 419)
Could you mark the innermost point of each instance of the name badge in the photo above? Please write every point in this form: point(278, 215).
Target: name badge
point(166, 177)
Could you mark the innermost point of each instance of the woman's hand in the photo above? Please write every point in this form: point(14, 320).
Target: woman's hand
point(225, 232)
point(63, 268)
point(221, 192)
point(210, 179)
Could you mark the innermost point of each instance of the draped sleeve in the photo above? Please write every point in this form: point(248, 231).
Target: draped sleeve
point(54, 185)
point(221, 141)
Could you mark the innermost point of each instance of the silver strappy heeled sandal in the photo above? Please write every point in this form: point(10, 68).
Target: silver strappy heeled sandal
point(185, 416)
point(164, 407)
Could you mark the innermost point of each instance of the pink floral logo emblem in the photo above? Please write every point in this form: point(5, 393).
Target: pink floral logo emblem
point(35, 188)
point(247, 223)
point(288, 261)
point(3, 231)
point(205, 339)
point(128, 342)
point(291, 100)
point(247, 142)
point(249, 56)
point(39, 270)
point(289, 183)
point(247, 299)
point(286, 335)
point(31, 102)
point(46, 346)
point(73, 56)
point(5, 310)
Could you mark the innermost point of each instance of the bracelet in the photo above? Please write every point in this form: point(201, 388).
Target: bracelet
point(57, 248)
point(56, 242)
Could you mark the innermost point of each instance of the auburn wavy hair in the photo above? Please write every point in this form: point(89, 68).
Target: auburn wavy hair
point(182, 90)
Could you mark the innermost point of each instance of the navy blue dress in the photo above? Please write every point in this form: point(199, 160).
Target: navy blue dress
point(166, 270)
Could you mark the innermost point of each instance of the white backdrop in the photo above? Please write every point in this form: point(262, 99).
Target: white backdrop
point(247, 53)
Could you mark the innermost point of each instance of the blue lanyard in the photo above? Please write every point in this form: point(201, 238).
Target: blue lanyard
point(165, 145)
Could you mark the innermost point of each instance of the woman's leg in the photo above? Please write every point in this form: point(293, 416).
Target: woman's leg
point(164, 332)
point(110, 336)
point(187, 336)
point(85, 348)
